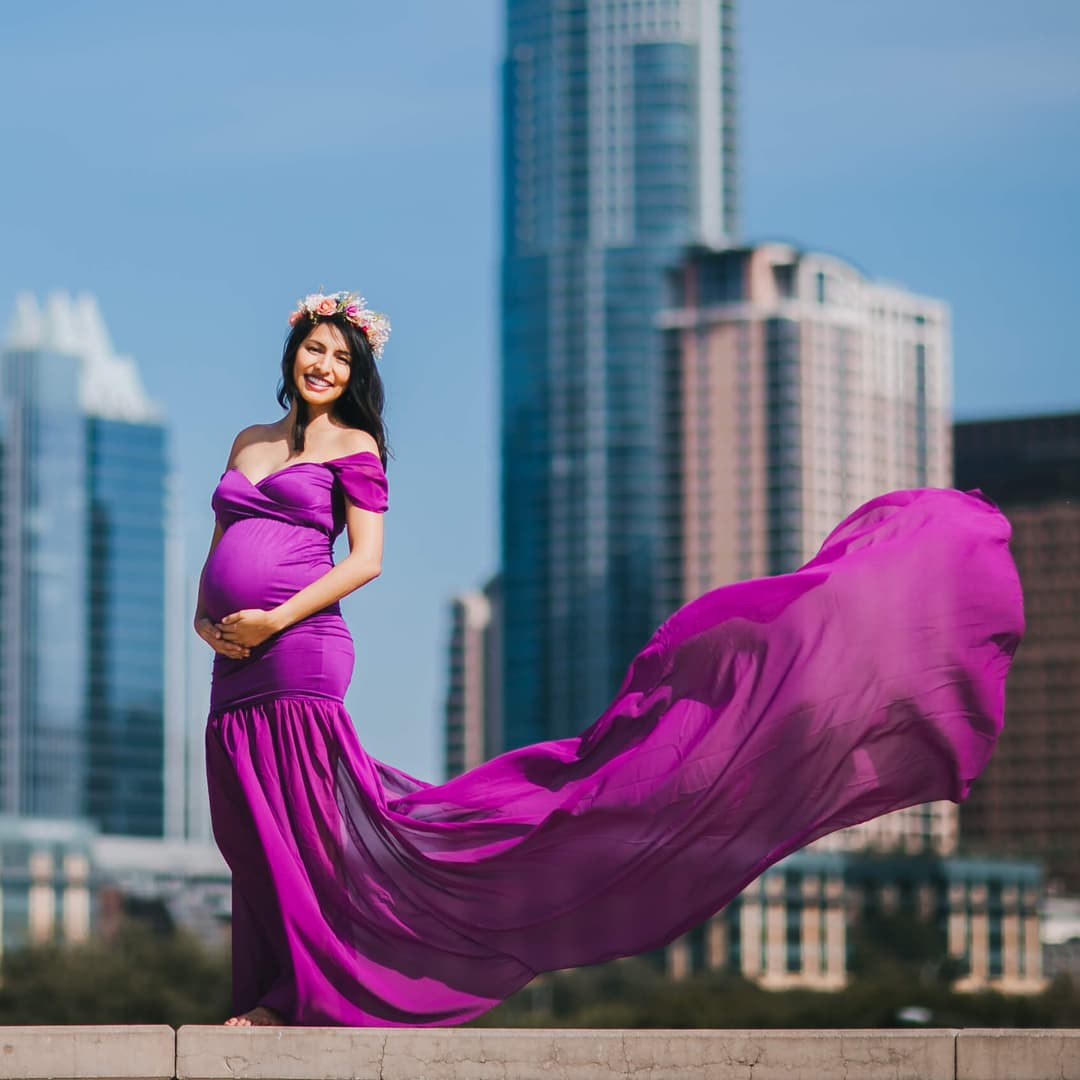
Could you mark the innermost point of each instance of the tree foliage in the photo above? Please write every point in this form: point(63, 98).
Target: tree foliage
point(148, 975)
point(138, 977)
point(633, 994)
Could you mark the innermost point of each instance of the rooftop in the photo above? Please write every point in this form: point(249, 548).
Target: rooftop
point(111, 387)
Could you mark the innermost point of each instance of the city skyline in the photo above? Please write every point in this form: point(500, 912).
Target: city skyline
point(956, 182)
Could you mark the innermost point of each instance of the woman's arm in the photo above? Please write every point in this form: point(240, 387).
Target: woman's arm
point(363, 563)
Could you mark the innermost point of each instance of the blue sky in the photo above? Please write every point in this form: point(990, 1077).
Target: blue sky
point(200, 166)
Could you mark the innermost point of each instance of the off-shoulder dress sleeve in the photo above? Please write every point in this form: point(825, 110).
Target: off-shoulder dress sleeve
point(363, 480)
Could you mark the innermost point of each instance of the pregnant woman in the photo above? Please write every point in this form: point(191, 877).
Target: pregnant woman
point(757, 718)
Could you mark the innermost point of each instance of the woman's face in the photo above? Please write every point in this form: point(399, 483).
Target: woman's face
point(321, 368)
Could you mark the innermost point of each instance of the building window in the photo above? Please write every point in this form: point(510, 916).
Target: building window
point(793, 936)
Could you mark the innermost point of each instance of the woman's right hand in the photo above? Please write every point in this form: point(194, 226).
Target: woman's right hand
point(208, 630)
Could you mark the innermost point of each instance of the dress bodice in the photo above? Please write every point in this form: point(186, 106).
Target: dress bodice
point(309, 493)
point(278, 533)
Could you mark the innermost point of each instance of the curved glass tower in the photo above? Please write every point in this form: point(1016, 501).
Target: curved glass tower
point(83, 474)
point(619, 150)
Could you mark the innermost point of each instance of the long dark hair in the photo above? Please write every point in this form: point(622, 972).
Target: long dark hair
point(360, 405)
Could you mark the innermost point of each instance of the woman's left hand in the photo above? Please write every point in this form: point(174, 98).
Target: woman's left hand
point(249, 627)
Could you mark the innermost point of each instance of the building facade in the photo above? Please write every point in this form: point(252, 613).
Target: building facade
point(796, 389)
point(46, 892)
point(61, 880)
point(83, 583)
point(1028, 801)
point(472, 724)
point(794, 927)
point(125, 788)
point(43, 584)
point(619, 147)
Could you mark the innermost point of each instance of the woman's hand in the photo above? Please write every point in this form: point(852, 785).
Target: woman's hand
point(249, 627)
point(211, 633)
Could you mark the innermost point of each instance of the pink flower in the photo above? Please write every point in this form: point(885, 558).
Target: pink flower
point(352, 312)
point(295, 317)
point(327, 306)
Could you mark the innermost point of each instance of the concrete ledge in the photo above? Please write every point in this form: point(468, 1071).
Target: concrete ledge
point(86, 1052)
point(1018, 1054)
point(216, 1053)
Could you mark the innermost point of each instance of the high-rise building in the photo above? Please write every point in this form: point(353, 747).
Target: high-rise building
point(472, 725)
point(795, 390)
point(125, 789)
point(43, 574)
point(83, 583)
point(1028, 799)
point(619, 147)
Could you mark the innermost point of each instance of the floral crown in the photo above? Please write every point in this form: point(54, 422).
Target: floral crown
point(353, 306)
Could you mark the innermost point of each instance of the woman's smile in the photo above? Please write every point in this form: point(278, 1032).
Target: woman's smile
point(317, 383)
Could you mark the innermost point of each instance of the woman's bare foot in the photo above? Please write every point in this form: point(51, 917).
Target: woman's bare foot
point(260, 1016)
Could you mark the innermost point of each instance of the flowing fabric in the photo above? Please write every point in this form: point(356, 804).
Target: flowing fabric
point(758, 717)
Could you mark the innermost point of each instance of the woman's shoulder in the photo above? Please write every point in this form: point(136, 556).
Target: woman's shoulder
point(355, 441)
point(249, 436)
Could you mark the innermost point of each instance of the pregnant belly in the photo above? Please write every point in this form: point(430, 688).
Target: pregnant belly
point(260, 563)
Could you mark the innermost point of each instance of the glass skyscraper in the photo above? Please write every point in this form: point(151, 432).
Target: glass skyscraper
point(619, 149)
point(82, 576)
point(126, 626)
point(42, 584)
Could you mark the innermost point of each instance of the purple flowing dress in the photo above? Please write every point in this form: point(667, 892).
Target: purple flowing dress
point(758, 717)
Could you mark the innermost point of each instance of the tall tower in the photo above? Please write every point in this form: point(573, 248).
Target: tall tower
point(797, 389)
point(42, 582)
point(126, 629)
point(1028, 800)
point(472, 725)
point(619, 148)
point(83, 583)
